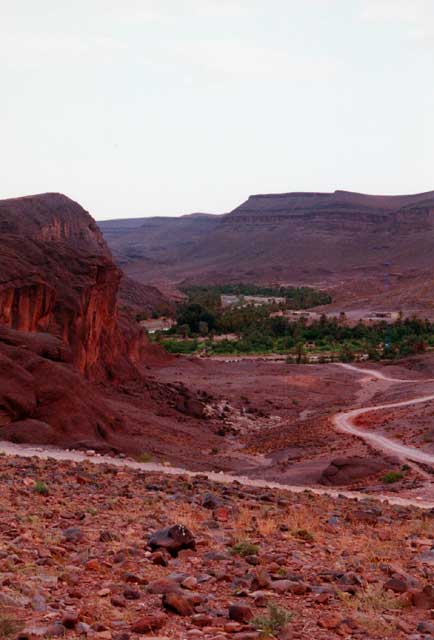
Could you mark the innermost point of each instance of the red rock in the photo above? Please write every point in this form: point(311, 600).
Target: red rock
point(330, 621)
point(177, 603)
point(221, 514)
point(173, 539)
point(202, 620)
point(342, 471)
point(73, 291)
point(70, 619)
point(160, 558)
point(240, 613)
point(261, 579)
point(163, 585)
point(117, 601)
point(398, 585)
point(93, 565)
point(148, 623)
point(423, 599)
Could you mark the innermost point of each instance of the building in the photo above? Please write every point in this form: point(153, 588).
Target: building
point(385, 316)
point(296, 315)
point(242, 301)
point(157, 324)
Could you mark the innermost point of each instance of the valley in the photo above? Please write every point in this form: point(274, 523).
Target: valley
point(369, 252)
point(255, 418)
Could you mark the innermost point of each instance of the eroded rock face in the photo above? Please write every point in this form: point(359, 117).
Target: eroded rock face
point(57, 276)
point(342, 471)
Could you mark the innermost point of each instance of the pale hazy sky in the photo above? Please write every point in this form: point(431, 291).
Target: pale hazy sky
point(141, 107)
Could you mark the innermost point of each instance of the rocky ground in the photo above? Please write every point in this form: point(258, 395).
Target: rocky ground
point(116, 554)
point(277, 418)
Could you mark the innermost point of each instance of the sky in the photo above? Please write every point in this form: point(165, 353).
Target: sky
point(143, 107)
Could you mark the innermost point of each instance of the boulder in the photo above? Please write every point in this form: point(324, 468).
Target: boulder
point(342, 471)
point(177, 603)
point(173, 539)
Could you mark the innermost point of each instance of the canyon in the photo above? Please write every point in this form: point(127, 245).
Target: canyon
point(78, 371)
point(204, 498)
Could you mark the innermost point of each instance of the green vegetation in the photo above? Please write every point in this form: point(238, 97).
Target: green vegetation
point(392, 476)
point(271, 624)
point(296, 297)
point(203, 324)
point(176, 346)
point(256, 332)
point(144, 457)
point(244, 548)
point(9, 627)
point(304, 534)
point(41, 488)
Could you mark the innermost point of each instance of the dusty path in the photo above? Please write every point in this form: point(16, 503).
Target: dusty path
point(372, 373)
point(343, 422)
point(29, 451)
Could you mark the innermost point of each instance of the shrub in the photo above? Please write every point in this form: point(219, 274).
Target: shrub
point(392, 476)
point(275, 621)
point(144, 457)
point(41, 488)
point(304, 534)
point(9, 627)
point(244, 548)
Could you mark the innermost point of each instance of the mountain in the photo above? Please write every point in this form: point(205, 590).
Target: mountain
point(74, 369)
point(366, 249)
point(58, 277)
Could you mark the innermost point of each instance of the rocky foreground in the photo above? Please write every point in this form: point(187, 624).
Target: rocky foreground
point(101, 552)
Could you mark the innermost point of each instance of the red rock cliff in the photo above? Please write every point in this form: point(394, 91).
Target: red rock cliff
point(57, 276)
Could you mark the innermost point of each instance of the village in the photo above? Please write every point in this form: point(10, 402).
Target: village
point(263, 326)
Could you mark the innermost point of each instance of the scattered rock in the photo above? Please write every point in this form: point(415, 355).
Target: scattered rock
point(177, 603)
point(240, 613)
point(148, 623)
point(173, 539)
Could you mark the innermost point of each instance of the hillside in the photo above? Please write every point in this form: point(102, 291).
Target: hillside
point(366, 249)
point(111, 553)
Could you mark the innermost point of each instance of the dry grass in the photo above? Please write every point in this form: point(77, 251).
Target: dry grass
point(9, 627)
point(371, 600)
point(190, 516)
point(242, 524)
point(267, 525)
point(247, 521)
point(368, 605)
point(301, 518)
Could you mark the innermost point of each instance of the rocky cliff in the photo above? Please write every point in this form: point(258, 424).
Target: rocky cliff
point(57, 276)
point(75, 371)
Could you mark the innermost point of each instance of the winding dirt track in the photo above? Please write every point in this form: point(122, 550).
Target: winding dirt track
point(342, 421)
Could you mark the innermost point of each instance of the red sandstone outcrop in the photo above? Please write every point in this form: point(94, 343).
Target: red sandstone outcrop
point(57, 276)
point(64, 342)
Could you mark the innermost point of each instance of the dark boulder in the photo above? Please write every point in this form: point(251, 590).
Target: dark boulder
point(173, 539)
point(342, 471)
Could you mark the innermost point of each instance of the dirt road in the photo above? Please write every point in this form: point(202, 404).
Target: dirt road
point(343, 422)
